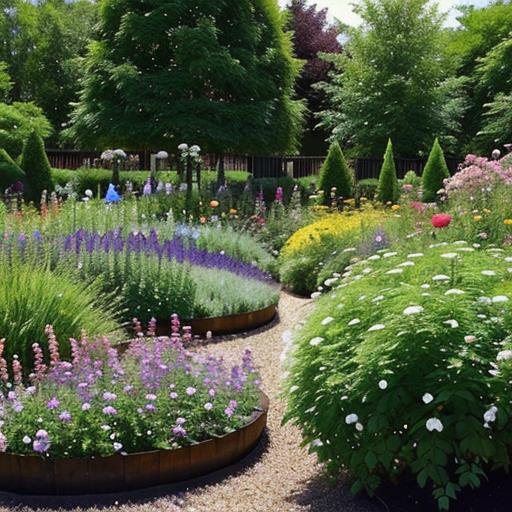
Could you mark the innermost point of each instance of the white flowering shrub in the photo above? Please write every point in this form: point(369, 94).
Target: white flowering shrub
point(405, 368)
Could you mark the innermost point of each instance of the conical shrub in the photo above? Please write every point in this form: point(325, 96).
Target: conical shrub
point(10, 171)
point(434, 174)
point(387, 190)
point(335, 172)
point(34, 163)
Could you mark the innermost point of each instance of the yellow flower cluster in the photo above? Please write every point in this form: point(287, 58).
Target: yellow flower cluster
point(335, 224)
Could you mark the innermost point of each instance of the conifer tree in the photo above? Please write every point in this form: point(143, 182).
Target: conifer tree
point(34, 163)
point(434, 174)
point(387, 190)
point(10, 172)
point(219, 73)
point(335, 173)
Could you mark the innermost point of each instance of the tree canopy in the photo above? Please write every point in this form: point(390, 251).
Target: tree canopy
point(218, 74)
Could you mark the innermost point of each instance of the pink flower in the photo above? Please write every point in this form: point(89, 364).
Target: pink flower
point(441, 220)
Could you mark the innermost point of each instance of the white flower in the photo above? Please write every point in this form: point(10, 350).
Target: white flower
point(329, 282)
point(351, 419)
point(490, 415)
point(117, 446)
point(316, 443)
point(469, 339)
point(26, 440)
point(359, 427)
point(395, 271)
point(434, 424)
point(452, 323)
point(441, 277)
point(354, 322)
point(484, 300)
point(488, 273)
point(499, 299)
point(88, 193)
point(389, 254)
point(316, 295)
point(316, 341)
point(162, 155)
point(107, 155)
point(454, 291)
point(425, 286)
point(327, 320)
point(378, 298)
point(416, 255)
point(504, 355)
point(413, 310)
point(383, 384)
point(119, 153)
point(427, 398)
point(508, 259)
point(407, 264)
point(183, 147)
point(375, 257)
point(293, 389)
point(449, 255)
point(376, 327)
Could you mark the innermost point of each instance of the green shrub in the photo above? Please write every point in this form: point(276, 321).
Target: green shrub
point(367, 188)
point(335, 173)
point(32, 297)
point(404, 370)
point(387, 191)
point(10, 171)
point(34, 163)
point(411, 178)
point(434, 174)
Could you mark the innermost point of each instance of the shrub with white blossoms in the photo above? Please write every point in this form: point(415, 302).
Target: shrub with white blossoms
point(411, 373)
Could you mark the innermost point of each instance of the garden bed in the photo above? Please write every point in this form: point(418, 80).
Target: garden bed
point(230, 324)
point(30, 474)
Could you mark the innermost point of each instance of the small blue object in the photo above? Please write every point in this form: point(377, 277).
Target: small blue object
point(112, 195)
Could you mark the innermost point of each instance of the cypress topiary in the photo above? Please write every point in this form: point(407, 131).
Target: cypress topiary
point(434, 174)
point(34, 163)
point(10, 171)
point(388, 182)
point(335, 173)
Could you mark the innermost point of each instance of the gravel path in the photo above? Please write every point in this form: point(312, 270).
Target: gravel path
point(279, 477)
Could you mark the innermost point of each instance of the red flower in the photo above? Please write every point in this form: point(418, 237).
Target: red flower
point(442, 220)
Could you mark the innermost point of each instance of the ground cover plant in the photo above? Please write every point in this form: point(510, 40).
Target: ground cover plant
point(404, 368)
point(158, 396)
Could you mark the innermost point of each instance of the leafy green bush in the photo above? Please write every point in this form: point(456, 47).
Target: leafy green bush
point(10, 171)
point(34, 163)
point(367, 188)
point(434, 174)
point(387, 191)
point(335, 173)
point(404, 370)
point(32, 297)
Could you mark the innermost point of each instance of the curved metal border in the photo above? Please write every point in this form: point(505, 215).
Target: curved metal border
point(28, 474)
point(230, 324)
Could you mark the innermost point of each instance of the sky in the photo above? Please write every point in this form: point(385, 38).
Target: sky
point(342, 9)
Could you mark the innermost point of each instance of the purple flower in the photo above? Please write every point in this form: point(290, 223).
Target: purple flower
point(109, 397)
point(65, 417)
point(212, 392)
point(173, 395)
point(228, 412)
point(191, 391)
point(150, 408)
point(42, 442)
point(109, 410)
point(180, 421)
point(208, 406)
point(53, 403)
point(86, 406)
point(150, 396)
point(179, 431)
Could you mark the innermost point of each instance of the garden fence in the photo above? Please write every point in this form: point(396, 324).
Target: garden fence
point(258, 166)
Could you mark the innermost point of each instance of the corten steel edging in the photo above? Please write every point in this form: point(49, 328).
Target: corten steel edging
point(30, 474)
point(230, 324)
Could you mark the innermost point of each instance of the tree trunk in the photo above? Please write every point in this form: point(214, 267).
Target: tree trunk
point(221, 175)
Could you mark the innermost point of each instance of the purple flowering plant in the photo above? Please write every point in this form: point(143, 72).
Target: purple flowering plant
point(158, 395)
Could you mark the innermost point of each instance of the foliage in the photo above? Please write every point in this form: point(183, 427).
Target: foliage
point(17, 121)
point(43, 43)
point(10, 172)
point(312, 247)
point(34, 163)
point(407, 370)
point(335, 173)
point(387, 190)
point(367, 188)
point(225, 86)
point(173, 397)
point(389, 81)
point(31, 297)
point(434, 174)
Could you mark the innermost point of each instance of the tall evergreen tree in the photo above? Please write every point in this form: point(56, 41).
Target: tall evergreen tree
point(434, 174)
point(387, 191)
point(34, 163)
point(215, 73)
point(335, 173)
